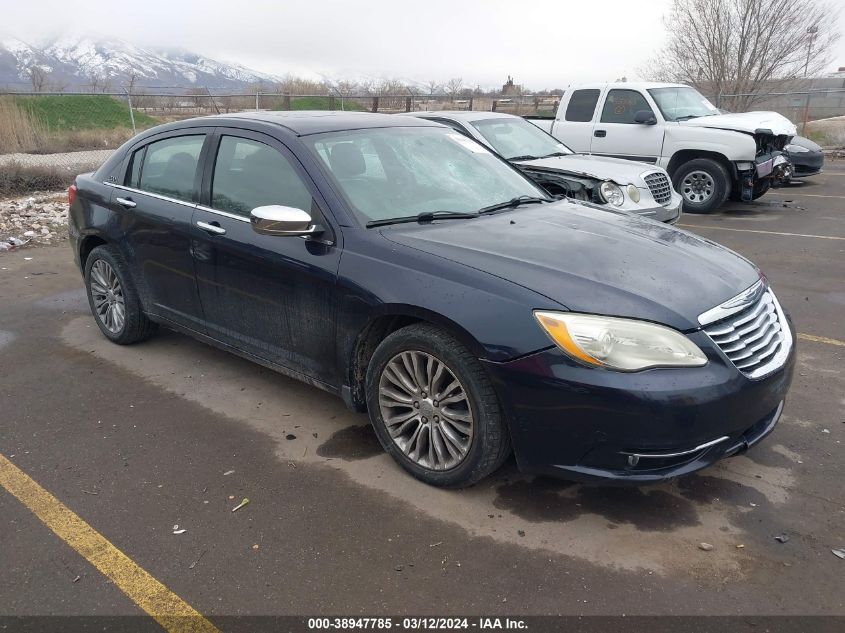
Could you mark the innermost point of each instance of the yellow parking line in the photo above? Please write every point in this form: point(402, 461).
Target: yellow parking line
point(725, 228)
point(168, 609)
point(820, 339)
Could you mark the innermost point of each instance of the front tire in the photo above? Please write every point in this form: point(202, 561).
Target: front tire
point(703, 183)
point(113, 299)
point(434, 408)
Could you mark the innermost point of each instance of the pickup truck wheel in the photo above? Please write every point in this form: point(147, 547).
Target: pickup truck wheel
point(434, 408)
point(761, 187)
point(113, 299)
point(703, 183)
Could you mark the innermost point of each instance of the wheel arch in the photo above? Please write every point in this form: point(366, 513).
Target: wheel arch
point(685, 155)
point(387, 319)
point(87, 244)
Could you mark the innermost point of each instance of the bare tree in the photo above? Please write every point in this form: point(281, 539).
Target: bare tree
point(745, 47)
point(131, 81)
point(433, 86)
point(95, 81)
point(453, 87)
point(38, 77)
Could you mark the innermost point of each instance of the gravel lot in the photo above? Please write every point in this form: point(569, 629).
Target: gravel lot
point(71, 161)
point(36, 219)
point(138, 439)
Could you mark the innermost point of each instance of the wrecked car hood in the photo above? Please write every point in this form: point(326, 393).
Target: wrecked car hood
point(592, 261)
point(619, 170)
point(746, 122)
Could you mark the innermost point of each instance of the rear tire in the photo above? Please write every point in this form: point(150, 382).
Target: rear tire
point(703, 183)
point(444, 422)
point(113, 299)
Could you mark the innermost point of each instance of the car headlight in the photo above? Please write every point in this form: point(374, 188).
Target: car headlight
point(796, 149)
point(619, 344)
point(633, 193)
point(611, 193)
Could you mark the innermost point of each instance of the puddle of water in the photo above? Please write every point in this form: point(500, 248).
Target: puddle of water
point(6, 338)
point(656, 528)
point(71, 302)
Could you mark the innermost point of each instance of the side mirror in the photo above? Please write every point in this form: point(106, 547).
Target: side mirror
point(275, 219)
point(645, 117)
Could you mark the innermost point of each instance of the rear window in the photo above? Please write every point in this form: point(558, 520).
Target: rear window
point(582, 105)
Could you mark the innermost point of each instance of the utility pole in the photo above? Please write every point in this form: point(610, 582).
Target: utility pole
point(811, 31)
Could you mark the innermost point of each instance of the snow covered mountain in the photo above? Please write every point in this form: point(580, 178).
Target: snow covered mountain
point(77, 62)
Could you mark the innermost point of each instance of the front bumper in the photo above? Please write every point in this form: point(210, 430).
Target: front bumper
point(585, 424)
point(806, 163)
point(669, 213)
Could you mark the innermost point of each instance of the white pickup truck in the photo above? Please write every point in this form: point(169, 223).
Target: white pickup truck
point(710, 156)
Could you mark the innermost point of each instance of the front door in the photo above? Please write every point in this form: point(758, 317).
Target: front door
point(271, 296)
point(616, 134)
point(156, 203)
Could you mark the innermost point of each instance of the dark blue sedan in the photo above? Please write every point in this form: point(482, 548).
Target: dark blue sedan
point(409, 270)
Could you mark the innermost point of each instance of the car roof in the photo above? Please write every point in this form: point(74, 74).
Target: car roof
point(462, 115)
point(632, 85)
point(304, 122)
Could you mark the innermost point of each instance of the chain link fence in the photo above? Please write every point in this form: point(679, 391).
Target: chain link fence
point(69, 133)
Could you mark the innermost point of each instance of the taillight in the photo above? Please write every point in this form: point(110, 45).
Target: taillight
point(71, 194)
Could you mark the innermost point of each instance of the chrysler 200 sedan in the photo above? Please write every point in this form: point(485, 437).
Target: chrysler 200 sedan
point(406, 268)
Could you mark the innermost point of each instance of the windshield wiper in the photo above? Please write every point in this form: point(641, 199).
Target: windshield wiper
point(513, 203)
point(425, 216)
point(687, 117)
point(553, 154)
point(526, 157)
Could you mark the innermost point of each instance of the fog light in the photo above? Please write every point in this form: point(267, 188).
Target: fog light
point(633, 193)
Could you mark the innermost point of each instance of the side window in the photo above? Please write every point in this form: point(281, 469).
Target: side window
point(622, 105)
point(582, 105)
point(133, 174)
point(169, 166)
point(250, 174)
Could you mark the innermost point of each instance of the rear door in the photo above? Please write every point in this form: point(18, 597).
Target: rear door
point(156, 202)
point(616, 134)
point(574, 122)
point(271, 296)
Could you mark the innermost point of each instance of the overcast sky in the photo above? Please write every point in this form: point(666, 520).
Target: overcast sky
point(542, 43)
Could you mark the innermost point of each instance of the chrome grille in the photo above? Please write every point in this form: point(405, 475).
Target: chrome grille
point(660, 187)
point(751, 330)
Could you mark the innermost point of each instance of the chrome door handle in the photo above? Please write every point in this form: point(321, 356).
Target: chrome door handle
point(126, 203)
point(214, 229)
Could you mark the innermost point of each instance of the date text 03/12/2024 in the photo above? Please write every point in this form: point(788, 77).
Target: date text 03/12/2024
point(413, 624)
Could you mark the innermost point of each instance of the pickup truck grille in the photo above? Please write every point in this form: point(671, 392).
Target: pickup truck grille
point(660, 187)
point(752, 336)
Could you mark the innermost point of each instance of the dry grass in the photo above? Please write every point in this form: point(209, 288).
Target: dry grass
point(20, 131)
point(24, 130)
point(16, 179)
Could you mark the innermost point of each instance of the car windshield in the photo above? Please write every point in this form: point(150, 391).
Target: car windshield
point(516, 138)
point(682, 103)
point(399, 172)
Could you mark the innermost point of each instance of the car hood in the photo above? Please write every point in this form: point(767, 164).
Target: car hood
point(805, 142)
point(746, 122)
point(589, 260)
point(619, 170)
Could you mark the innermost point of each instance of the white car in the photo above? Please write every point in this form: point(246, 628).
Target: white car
point(620, 184)
point(710, 156)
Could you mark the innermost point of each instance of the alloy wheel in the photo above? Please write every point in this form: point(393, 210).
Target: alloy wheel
point(698, 187)
point(426, 410)
point(107, 296)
